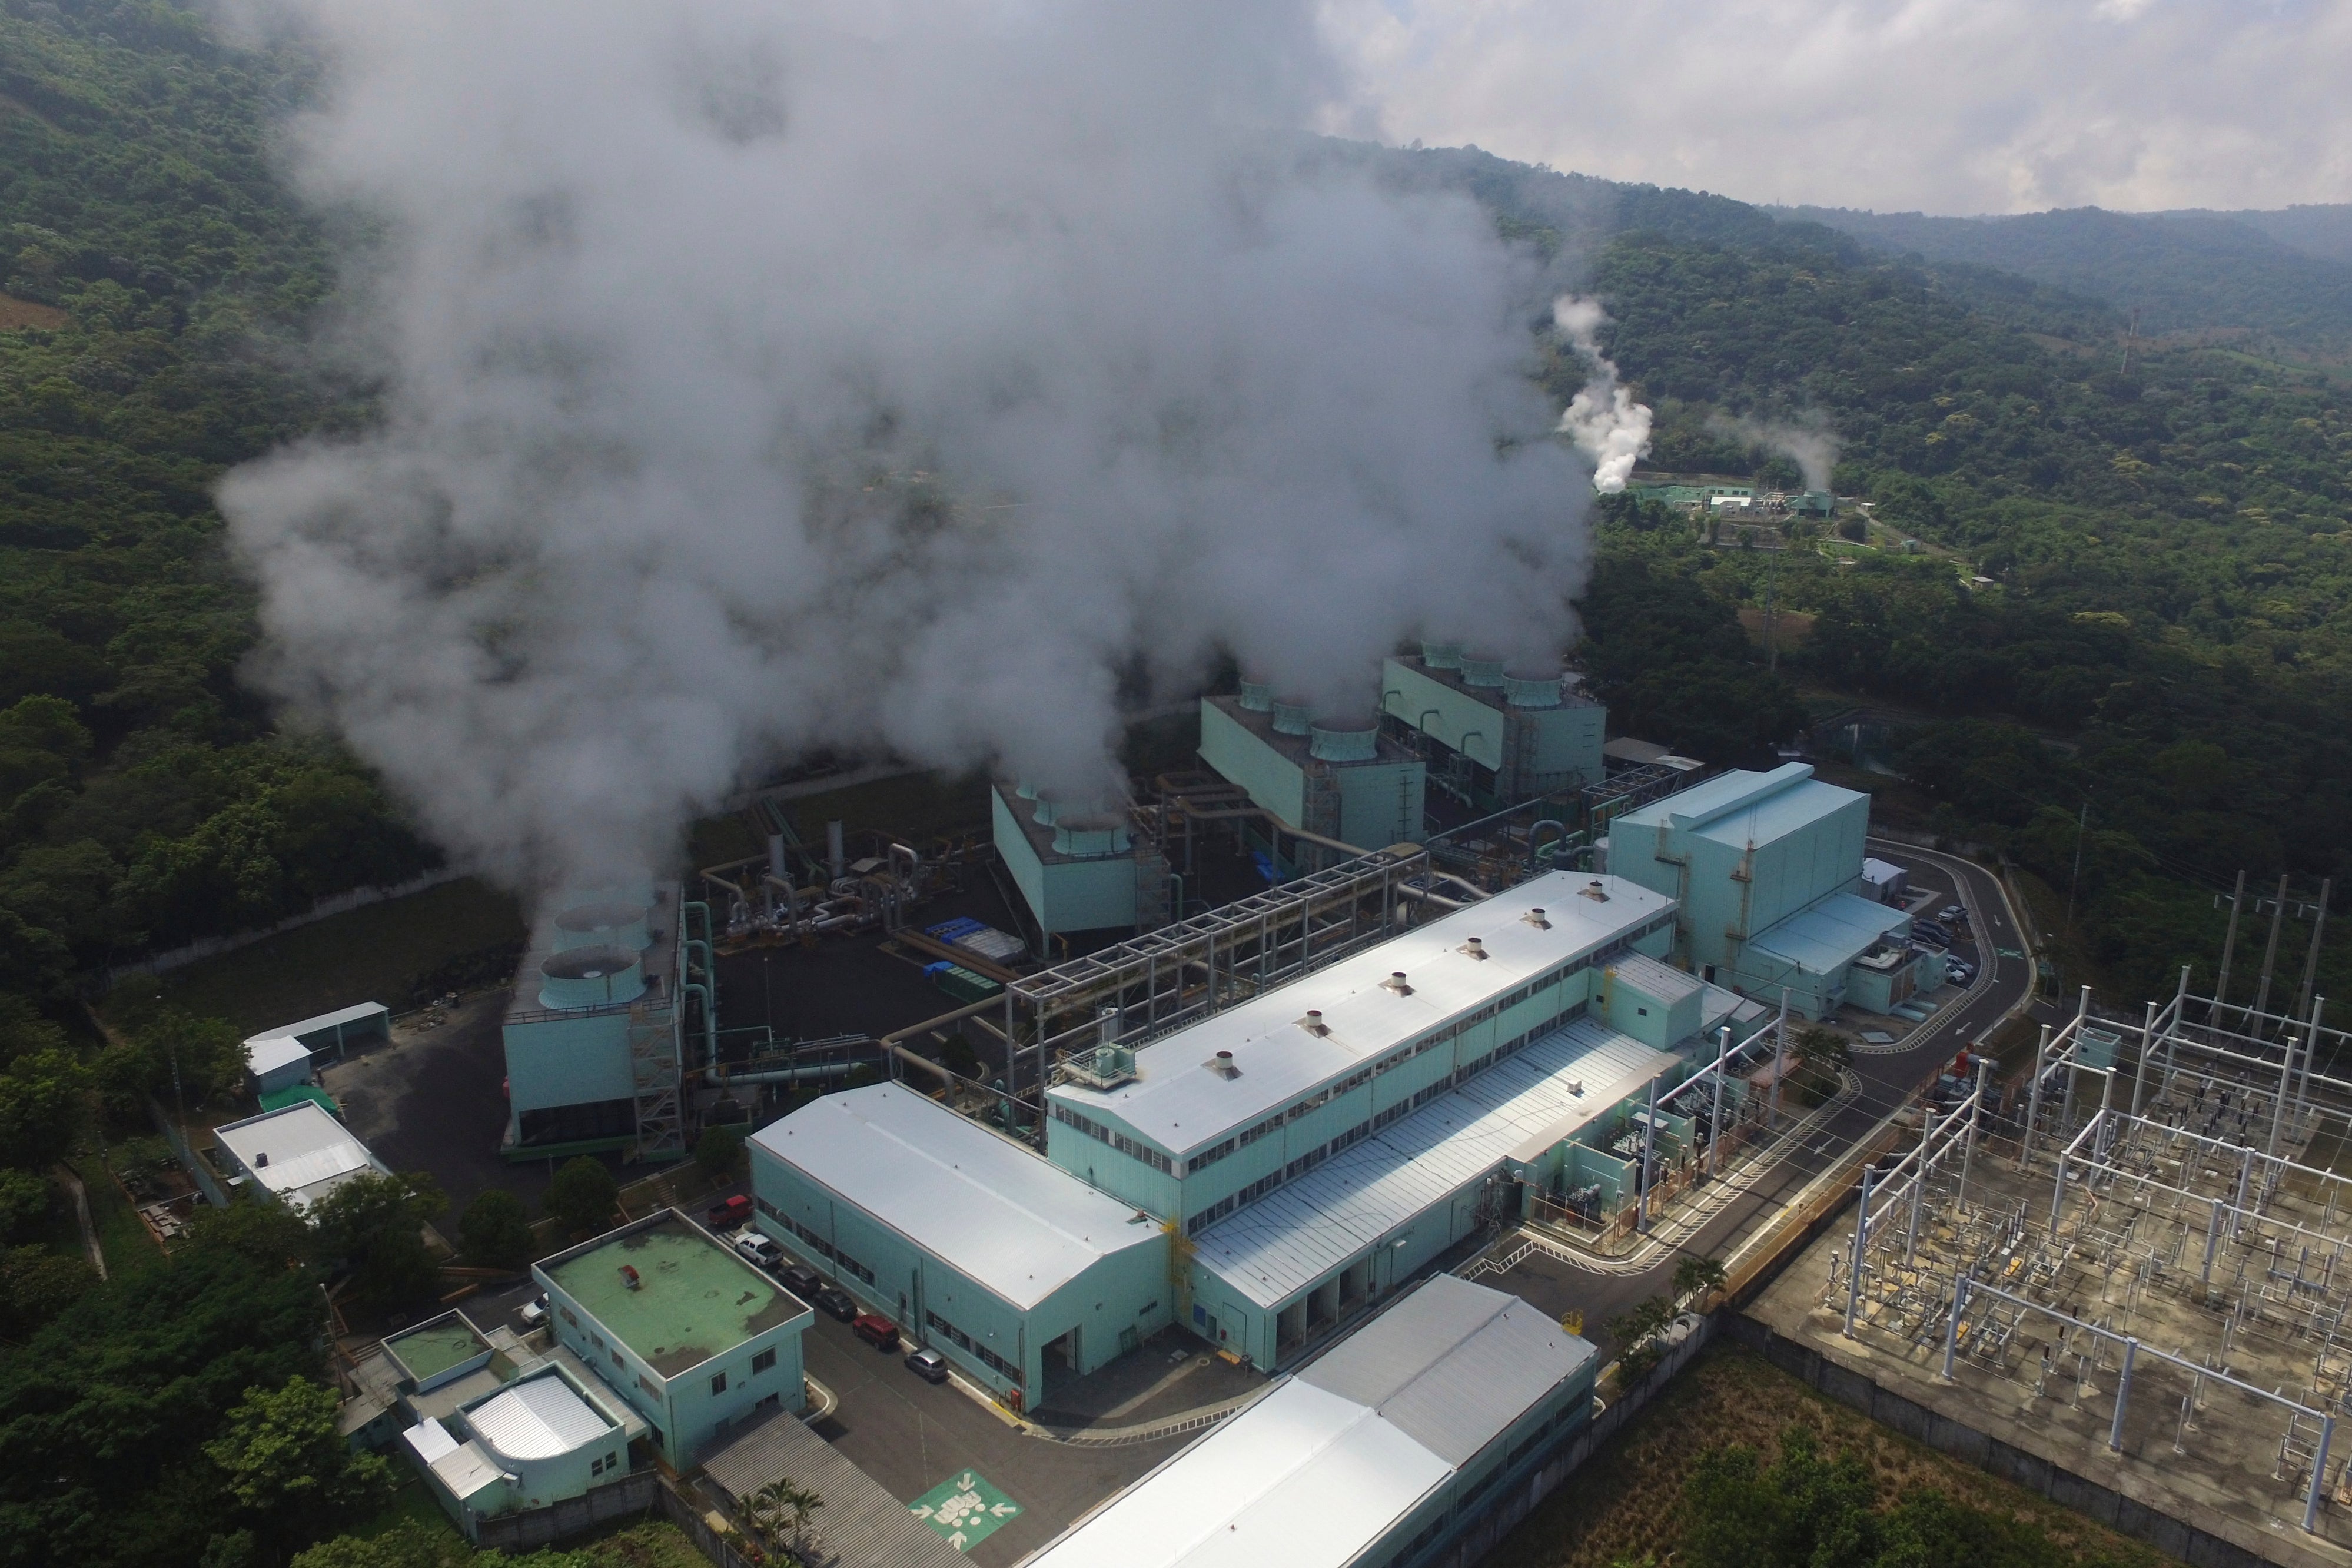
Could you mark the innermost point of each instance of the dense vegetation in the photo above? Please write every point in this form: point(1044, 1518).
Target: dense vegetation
point(2281, 274)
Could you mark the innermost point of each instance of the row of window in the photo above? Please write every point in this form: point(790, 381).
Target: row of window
point(971, 1347)
point(760, 1363)
point(817, 1243)
point(1117, 1140)
point(1362, 1130)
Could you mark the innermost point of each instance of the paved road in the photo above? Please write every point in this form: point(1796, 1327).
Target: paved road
point(1888, 1079)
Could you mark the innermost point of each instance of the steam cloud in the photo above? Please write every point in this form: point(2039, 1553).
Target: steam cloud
point(1807, 441)
point(1602, 419)
point(762, 376)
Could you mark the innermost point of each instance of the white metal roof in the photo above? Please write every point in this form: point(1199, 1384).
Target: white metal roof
point(1299, 1233)
point(1741, 807)
point(1830, 934)
point(463, 1468)
point(1453, 1364)
point(537, 1419)
point(998, 1213)
point(298, 1153)
point(1660, 982)
point(351, 1014)
point(1180, 1104)
point(1304, 1478)
point(267, 1053)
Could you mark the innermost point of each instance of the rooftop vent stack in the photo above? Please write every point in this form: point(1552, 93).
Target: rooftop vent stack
point(591, 977)
point(1482, 669)
point(1396, 983)
point(1593, 890)
point(1353, 739)
point(776, 856)
point(1293, 715)
point(602, 924)
point(1441, 655)
point(1048, 807)
point(1107, 1022)
point(1531, 687)
point(1535, 918)
point(1313, 1023)
point(1091, 834)
point(1221, 1064)
point(1474, 948)
point(1257, 696)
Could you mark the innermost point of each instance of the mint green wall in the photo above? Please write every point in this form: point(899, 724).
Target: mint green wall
point(1565, 748)
point(1649, 1018)
point(1272, 780)
point(1458, 721)
point(1381, 804)
point(1064, 895)
point(568, 1059)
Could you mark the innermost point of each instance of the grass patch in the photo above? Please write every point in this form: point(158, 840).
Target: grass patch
point(122, 1235)
point(1626, 1502)
point(378, 954)
point(412, 1504)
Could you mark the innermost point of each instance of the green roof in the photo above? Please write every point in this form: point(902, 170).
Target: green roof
point(431, 1349)
point(693, 1298)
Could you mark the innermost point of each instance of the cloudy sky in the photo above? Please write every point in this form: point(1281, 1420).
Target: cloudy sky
point(1945, 106)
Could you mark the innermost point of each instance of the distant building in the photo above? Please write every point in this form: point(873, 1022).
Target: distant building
point(296, 1155)
point(287, 1056)
point(687, 1332)
point(1768, 872)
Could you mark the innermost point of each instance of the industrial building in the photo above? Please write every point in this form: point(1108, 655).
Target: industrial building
point(596, 1032)
point(689, 1334)
point(1383, 1450)
point(1079, 865)
point(294, 1156)
point(278, 1062)
point(1495, 737)
point(1015, 1270)
point(1334, 775)
point(1767, 874)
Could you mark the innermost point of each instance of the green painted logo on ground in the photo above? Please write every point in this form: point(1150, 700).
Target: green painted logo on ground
point(965, 1509)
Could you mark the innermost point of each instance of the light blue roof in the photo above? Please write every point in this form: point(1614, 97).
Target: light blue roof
point(1741, 807)
point(1831, 935)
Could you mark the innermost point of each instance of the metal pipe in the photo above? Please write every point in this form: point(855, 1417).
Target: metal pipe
point(1649, 1146)
point(2147, 1043)
point(1976, 1119)
point(2318, 1475)
point(1780, 1057)
point(2033, 1100)
point(1419, 896)
point(2318, 925)
point(1919, 1185)
point(2229, 947)
point(722, 1077)
point(1952, 1328)
point(1715, 1123)
point(710, 1021)
point(2270, 950)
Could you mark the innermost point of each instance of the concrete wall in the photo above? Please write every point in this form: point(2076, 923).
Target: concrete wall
point(1452, 717)
point(531, 1529)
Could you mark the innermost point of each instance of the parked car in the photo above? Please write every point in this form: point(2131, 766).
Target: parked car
point(833, 1300)
point(729, 1213)
point(876, 1331)
point(929, 1365)
point(1960, 973)
point(532, 1312)
point(759, 1250)
point(1932, 932)
point(1952, 912)
point(801, 1280)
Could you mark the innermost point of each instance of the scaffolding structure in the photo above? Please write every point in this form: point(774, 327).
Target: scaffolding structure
point(2151, 1255)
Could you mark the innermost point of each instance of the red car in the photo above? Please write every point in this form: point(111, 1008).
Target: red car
point(731, 1213)
point(876, 1331)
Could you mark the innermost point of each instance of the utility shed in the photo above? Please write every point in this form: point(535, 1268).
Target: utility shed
point(1011, 1268)
point(1382, 1452)
point(333, 1034)
point(297, 1155)
point(274, 1063)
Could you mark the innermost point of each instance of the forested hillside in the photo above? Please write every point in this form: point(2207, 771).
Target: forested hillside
point(152, 268)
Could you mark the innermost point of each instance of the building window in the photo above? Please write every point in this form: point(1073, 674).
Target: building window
point(565, 1312)
point(718, 1382)
point(596, 1467)
point(616, 1360)
point(653, 1391)
point(762, 1361)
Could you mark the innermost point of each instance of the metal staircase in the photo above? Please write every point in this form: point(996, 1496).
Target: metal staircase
point(654, 1068)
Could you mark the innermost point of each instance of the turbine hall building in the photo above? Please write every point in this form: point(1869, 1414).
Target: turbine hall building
point(1266, 1174)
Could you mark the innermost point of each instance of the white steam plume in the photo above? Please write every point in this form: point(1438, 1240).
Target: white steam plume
point(1602, 419)
point(1809, 441)
point(761, 376)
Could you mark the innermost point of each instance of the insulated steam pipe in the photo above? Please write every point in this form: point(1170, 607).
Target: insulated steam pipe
point(709, 1020)
point(687, 908)
point(720, 1077)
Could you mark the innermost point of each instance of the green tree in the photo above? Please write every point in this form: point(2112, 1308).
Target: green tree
point(1802, 1511)
point(40, 1108)
point(582, 1197)
point(210, 1055)
point(285, 1462)
point(1694, 1277)
point(496, 1230)
point(23, 1205)
point(719, 1153)
point(259, 1233)
point(374, 1224)
point(37, 1284)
